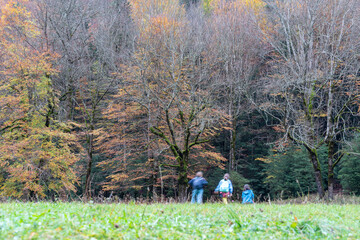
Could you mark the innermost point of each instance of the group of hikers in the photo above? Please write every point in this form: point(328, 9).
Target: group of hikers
point(224, 189)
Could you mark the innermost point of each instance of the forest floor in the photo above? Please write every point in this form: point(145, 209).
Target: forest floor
point(178, 221)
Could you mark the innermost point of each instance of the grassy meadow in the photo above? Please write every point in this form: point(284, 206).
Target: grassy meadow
point(178, 221)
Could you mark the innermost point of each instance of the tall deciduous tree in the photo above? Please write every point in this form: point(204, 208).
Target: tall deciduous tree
point(106, 50)
point(91, 39)
point(37, 155)
point(313, 65)
point(173, 74)
point(237, 51)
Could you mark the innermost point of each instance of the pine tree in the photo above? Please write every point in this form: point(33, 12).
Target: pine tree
point(349, 173)
point(289, 173)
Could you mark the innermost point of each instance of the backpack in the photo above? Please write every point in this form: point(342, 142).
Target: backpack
point(198, 183)
point(225, 186)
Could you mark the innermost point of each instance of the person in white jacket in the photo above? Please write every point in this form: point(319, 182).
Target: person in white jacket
point(225, 188)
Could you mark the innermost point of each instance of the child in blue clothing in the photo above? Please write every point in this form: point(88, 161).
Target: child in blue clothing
point(225, 188)
point(247, 195)
point(197, 185)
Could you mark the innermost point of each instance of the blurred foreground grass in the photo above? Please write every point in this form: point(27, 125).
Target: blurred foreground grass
point(178, 221)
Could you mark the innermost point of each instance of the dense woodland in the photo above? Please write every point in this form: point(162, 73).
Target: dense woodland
point(128, 99)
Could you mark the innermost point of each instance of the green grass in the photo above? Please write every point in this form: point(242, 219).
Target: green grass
point(178, 221)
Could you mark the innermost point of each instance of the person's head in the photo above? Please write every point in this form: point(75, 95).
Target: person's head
point(246, 187)
point(226, 176)
point(199, 174)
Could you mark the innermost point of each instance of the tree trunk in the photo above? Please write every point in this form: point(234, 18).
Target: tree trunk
point(154, 180)
point(317, 171)
point(51, 106)
point(49, 114)
point(182, 180)
point(70, 100)
point(330, 142)
point(182, 183)
point(87, 192)
point(150, 155)
point(161, 185)
point(232, 145)
point(333, 160)
point(330, 172)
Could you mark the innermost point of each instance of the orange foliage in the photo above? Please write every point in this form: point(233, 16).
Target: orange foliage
point(221, 6)
point(136, 153)
point(35, 159)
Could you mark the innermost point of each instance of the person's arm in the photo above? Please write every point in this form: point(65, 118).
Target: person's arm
point(218, 187)
point(191, 182)
point(252, 196)
point(205, 182)
point(230, 187)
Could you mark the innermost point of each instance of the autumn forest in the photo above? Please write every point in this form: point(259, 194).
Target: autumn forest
point(128, 99)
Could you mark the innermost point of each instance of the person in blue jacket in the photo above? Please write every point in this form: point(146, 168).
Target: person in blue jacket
point(225, 188)
point(247, 195)
point(197, 184)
